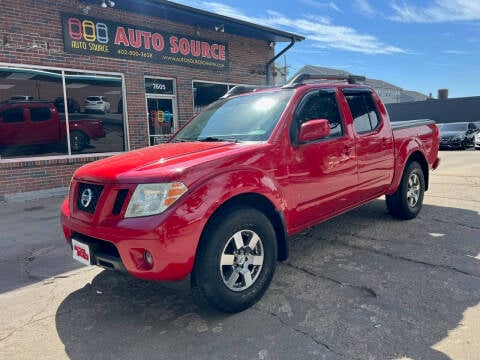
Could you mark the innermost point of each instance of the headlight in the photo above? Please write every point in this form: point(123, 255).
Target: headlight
point(152, 199)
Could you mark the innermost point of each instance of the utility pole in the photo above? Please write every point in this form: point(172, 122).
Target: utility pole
point(282, 71)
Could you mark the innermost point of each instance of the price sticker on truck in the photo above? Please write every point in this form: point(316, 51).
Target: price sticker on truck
point(81, 252)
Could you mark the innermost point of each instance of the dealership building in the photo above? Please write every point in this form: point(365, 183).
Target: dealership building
point(116, 76)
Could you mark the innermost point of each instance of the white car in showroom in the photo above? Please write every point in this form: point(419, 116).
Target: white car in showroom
point(97, 104)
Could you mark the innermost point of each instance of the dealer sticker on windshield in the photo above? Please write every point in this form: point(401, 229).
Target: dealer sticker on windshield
point(81, 252)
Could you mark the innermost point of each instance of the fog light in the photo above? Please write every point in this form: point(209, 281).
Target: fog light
point(148, 258)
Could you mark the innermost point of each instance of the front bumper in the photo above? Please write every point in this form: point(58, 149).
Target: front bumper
point(120, 244)
point(451, 143)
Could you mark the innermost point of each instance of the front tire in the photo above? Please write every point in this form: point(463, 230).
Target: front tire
point(235, 260)
point(407, 201)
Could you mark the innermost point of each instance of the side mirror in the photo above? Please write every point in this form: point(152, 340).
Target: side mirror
point(314, 130)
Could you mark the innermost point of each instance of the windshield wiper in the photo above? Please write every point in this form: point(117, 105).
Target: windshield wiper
point(217, 139)
point(183, 140)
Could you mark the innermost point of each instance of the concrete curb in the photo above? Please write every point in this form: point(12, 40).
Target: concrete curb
point(35, 195)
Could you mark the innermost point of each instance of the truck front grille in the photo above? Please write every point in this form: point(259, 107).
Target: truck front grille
point(87, 197)
point(119, 201)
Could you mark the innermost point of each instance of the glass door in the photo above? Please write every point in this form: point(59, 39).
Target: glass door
point(160, 119)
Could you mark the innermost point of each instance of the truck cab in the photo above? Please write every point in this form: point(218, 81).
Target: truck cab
point(24, 122)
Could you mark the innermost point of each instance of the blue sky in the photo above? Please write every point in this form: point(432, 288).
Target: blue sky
point(420, 45)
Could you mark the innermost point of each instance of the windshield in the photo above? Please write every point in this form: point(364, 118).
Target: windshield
point(244, 118)
point(454, 127)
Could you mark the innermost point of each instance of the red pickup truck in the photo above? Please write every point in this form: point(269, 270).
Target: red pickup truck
point(220, 199)
point(24, 123)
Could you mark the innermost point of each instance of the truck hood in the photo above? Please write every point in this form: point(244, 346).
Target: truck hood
point(155, 163)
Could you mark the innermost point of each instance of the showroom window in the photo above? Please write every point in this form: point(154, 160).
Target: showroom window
point(34, 112)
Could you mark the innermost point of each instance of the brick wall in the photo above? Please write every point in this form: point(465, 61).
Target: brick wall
point(23, 22)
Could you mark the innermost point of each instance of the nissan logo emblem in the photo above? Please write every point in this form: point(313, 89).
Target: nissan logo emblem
point(86, 197)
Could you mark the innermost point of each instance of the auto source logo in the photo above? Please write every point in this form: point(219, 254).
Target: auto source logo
point(91, 36)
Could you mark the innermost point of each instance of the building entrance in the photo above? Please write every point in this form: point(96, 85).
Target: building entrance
point(161, 119)
point(161, 109)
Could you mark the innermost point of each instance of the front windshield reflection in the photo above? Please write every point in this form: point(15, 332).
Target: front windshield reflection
point(244, 118)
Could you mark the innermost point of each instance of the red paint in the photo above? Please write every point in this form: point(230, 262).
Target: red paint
point(81, 252)
point(196, 48)
point(306, 184)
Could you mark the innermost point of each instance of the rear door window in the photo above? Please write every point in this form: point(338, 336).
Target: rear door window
point(39, 114)
point(364, 112)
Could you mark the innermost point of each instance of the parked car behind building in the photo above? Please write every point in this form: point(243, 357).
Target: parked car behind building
point(72, 105)
point(459, 135)
point(97, 104)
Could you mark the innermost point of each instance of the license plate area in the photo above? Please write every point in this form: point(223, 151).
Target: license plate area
point(81, 252)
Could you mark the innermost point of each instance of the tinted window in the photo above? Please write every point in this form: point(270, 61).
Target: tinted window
point(40, 114)
point(12, 116)
point(318, 105)
point(364, 112)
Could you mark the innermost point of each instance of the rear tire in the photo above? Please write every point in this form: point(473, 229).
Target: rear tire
point(235, 260)
point(407, 201)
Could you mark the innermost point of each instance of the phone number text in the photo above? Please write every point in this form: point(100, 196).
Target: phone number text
point(135, 53)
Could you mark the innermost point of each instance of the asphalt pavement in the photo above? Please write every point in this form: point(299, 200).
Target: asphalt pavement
point(361, 286)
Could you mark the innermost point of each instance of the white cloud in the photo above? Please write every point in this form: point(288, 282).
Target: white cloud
point(318, 30)
point(364, 7)
point(455, 52)
point(439, 11)
point(334, 6)
point(322, 5)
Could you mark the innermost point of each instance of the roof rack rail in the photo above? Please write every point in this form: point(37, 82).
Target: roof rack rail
point(241, 89)
point(349, 78)
point(16, 101)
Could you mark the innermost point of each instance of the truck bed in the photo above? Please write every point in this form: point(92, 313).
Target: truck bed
point(397, 125)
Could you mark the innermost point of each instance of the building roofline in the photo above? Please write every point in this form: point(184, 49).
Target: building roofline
point(204, 19)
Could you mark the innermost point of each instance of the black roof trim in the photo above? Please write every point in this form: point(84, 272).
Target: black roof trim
point(242, 89)
point(304, 77)
point(202, 19)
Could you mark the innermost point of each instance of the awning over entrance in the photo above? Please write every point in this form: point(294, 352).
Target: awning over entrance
point(203, 19)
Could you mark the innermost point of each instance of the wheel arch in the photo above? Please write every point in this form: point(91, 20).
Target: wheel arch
point(401, 165)
point(262, 204)
point(420, 158)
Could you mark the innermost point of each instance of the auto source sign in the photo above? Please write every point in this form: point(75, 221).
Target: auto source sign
point(90, 36)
